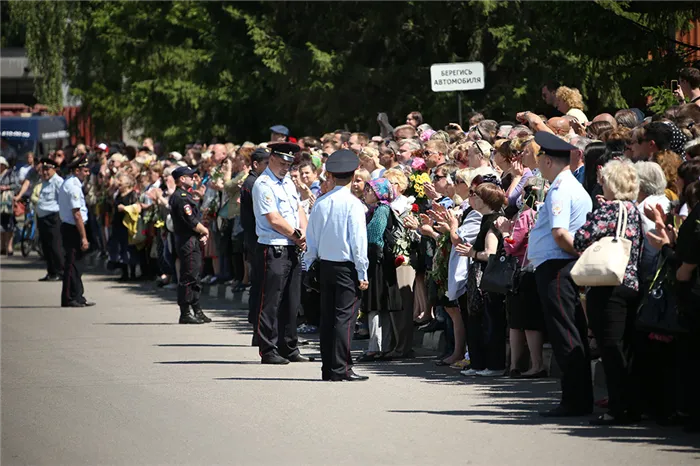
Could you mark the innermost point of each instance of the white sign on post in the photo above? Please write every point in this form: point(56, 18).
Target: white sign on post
point(467, 76)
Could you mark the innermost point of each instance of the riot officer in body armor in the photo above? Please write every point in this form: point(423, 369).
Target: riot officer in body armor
point(189, 233)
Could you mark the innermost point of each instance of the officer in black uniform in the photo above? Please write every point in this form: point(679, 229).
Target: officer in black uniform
point(189, 233)
point(259, 161)
point(280, 223)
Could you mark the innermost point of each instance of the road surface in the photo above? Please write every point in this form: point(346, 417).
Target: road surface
point(122, 384)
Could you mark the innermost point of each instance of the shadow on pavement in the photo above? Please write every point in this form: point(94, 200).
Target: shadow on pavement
point(505, 401)
point(201, 345)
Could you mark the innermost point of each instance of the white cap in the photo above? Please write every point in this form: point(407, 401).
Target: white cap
point(3, 161)
point(102, 146)
point(176, 156)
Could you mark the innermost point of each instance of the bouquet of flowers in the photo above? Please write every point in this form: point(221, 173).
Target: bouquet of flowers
point(404, 244)
point(440, 271)
point(418, 178)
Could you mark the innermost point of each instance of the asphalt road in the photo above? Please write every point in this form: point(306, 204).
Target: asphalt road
point(122, 384)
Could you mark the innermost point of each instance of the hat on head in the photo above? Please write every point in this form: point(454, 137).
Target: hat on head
point(176, 156)
point(79, 162)
point(183, 171)
point(3, 161)
point(280, 129)
point(284, 150)
point(553, 146)
point(102, 146)
point(342, 161)
point(47, 162)
point(260, 155)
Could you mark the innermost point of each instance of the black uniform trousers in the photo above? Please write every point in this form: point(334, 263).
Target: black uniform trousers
point(73, 265)
point(50, 237)
point(254, 275)
point(189, 250)
point(280, 297)
point(568, 332)
point(340, 302)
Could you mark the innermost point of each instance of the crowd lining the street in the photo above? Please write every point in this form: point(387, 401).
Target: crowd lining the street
point(440, 205)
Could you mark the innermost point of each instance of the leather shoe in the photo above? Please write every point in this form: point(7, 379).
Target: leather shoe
point(563, 411)
point(349, 377)
point(273, 358)
point(88, 303)
point(202, 316)
point(50, 278)
point(298, 358)
point(73, 304)
point(189, 319)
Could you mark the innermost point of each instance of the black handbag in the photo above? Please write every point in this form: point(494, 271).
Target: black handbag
point(659, 311)
point(312, 278)
point(501, 274)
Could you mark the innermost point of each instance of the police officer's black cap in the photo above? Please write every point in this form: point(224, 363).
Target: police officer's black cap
point(342, 161)
point(260, 154)
point(78, 162)
point(183, 171)
point(284, 150)
point(553, 146)
point(47, 162)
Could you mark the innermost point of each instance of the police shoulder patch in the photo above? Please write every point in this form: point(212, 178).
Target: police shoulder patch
point(556, 208)
point(183, 194)
point(188, 209)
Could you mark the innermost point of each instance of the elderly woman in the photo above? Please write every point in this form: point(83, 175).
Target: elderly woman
point(570, 102)
point(652, 186)
point(382, 296)
point(121, 253)
point(486, 328)
point(9, 186)
point(611, 309)
point(402, 322)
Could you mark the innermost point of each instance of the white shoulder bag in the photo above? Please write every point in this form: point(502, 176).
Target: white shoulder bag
point(604, 262)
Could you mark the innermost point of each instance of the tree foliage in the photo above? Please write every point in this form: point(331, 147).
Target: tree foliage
point(186, 70)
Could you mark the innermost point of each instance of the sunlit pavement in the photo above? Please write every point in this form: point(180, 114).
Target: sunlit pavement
point(122, 383)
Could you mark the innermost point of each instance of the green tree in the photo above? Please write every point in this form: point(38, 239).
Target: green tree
point(186, 70)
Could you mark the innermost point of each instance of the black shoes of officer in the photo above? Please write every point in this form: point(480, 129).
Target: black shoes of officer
point(298, 358)
point(50, 278)
point(199, 314)
point(187, 318)
point(273, 358)
point(72, 304)
point(349, 377)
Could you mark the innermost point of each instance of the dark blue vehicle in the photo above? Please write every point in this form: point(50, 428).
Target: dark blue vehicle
point(37, 134)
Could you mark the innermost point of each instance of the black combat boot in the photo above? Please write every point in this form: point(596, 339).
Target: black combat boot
point(199, 314)
point(186, 317)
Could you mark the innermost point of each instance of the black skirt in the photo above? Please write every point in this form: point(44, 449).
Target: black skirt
point(383, 293)
point(524, 308)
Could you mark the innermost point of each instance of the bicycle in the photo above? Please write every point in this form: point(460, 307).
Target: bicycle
point(30, 234)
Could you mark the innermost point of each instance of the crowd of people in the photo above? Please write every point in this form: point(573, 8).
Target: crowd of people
point(486, 232)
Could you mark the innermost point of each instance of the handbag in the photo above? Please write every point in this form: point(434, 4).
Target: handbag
point(659, 311)
point(501, 274)
point(604, 262)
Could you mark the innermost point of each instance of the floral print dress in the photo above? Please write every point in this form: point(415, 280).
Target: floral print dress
point(602, 222)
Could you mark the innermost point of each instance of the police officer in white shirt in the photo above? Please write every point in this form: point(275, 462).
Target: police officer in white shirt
point(74, 215)
point(337, 237)
point(280, 223)
point(551, 251)
point(49, 221)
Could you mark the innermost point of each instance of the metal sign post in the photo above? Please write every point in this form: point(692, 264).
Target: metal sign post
point(449, 77)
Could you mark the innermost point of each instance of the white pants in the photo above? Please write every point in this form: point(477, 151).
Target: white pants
point(379, 332)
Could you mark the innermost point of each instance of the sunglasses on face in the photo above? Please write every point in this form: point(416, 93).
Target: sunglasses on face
point(439, 177)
